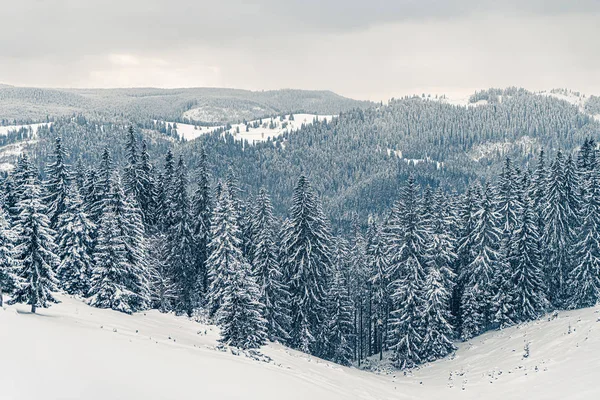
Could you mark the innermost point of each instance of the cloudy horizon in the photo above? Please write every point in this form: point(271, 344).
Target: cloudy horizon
point(373, 50)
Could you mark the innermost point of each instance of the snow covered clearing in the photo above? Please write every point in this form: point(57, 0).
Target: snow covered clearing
point(258, 130)
point(13, 128)
point(526, 144)
point(73, 351)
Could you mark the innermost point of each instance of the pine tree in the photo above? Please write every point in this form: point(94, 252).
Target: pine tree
point(240, 314)
point(132, 180)
point(558, 231)
point(181, 243)
point(201, 214)
point(163, 291)
point(340, 327)
point(35, 251)
point(437, 339)
point(148, 192)
point(407, 238)
point(478, 275)
point(75, 246)
point(527, 281)
point(165, 192)
point(379, 266)
point(111, 286)
point(584, 279)
point(307, 259)
point(225, 250)
point(274, 294)
point(9, 280)
point(57, 184)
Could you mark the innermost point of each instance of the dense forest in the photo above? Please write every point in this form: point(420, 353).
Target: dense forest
point(437, 265)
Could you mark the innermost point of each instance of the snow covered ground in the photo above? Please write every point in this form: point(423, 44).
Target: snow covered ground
point(73, 351)
point(261, 133)
point(33, 127)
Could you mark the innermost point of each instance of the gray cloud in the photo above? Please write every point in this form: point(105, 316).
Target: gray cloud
point(372, 48)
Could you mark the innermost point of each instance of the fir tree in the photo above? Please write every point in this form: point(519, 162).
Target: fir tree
point(35, 251)
point(201, 214)
point(527, 280)
point(266, 268)
point(163, 291)
point(584, 279)
point(9, 280)
point(225, 250)
point(75, 246)
point(478, 275)
point(340, 327)
point(57, 184)
point(307, 258)
point(181, 243)
point(240, 314)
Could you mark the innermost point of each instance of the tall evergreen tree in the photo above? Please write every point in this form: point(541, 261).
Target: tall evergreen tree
point(225, 250)
point(274, 294)
point(340, 327)
point(57, 184)
point(240, 314)
point(9, 280)
point(75, 246)
point(35, 251)
point(181, 243)
point(201, 214)
point(307, 258)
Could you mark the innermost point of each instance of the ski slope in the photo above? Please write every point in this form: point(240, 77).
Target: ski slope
point(73, 351)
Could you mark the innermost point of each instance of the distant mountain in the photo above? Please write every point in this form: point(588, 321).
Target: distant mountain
point(201, 105)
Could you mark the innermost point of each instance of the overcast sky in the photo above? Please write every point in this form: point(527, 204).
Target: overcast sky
point(371, 49)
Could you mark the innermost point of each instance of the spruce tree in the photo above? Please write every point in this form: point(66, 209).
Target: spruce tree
point(75, 246)
point(527, 280)
point(9, 280)
point(379, 266)
point(307, 259)
point(57, 184)
point(181, 243)
point(584, 279)
point(478, 275)
point(201, 214)
point(240, 313)
point(340, 327)
point(225, 250)
point(408, 239)
point(35, 251)
point(163, 291)
point(274, 293)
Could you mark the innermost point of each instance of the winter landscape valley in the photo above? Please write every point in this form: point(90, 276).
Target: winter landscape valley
point(286, 200)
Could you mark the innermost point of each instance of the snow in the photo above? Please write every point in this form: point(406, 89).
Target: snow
point(33, 127)
point(73, 351)
point(526, 144)
point(415, 161)
point(260, 134)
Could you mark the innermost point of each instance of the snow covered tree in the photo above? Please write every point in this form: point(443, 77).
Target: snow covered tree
point(57, 184)
point(201, 214)
point(35, 251)
point(438, 332)
point(181, 243)
point(478, 275)
point(558, 233)
point(340, 327)
point(148, 191)
point(378, 266)
point(165, 192)
point(225, 250)
point(527, 281)
point(9, 280)
point(584, 278)
point(75, 246)
point(163, 291)
point(408, 239)
point(240, 314)
point(111, 286)
point(307, 259)
point(274, 294)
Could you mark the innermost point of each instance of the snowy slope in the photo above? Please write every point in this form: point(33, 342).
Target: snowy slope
point(72, 351)
point(260, 133)
point(33, 127)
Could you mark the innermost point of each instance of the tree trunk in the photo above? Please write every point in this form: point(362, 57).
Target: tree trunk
point(1, 297)
point(33, 308)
